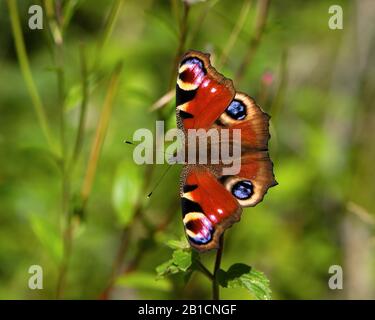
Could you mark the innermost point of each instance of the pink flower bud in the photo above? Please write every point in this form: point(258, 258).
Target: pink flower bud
point(267, 78)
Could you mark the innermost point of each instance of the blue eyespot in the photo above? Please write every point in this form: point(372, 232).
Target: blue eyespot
point(236, 110)
point(243, 190)
point(202, 229)
point(193, 61)
point(201, 238)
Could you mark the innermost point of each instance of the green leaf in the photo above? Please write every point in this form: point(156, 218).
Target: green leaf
point(241, 275)
point(178, 244)
point(182, 259)
point(68, 11)
point(166, 268)
point(143, 280)
point(126, 189)
point(74, 95)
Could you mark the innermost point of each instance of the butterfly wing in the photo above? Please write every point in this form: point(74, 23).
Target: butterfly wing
point(202, 94)
point(253, 180)
point(211, 201)
point(244, 114)
point(207, 207)
point(255, 176)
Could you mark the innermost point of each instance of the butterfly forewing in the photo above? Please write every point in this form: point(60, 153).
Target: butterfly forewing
point(202, 94)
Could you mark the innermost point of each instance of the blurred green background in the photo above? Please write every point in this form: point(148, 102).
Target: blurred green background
point(78, 206)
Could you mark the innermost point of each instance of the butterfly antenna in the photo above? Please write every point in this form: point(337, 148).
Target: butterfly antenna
point(162, 176)
point(160, 179)
point(134, 145)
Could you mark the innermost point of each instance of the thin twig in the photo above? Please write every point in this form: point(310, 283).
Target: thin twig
point(125, 237)
point(205, 271)
point(245, 9)
point(53, 11)
point(215, 283)
point(100, 135)
point(93, 161)
point(107, 30)
point(26, 72)
point(260, 24)
point(67, 241)
point(126, 233)
point(181, 42)
point(280, 91)
point(361, 213)
point(163, 101)
point(139, 210)
point(117, 268)
point(69, 9)
point(54, 19)
point(83, 107)
point(197, 26)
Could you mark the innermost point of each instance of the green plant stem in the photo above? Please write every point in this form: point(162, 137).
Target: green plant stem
point(140, 252)
point(69, 10)
point(280, 91)
point(107, 30)
point(260, 23)
point(215, 283)
point(126, 233)
point(198, 23)
point(54, 19)
point(181, 42)
point(83, 107)
point(117, 266)
point(245, 9)
point(67, 241)
point(26, 72)
point(100, 135)
point(205, 271)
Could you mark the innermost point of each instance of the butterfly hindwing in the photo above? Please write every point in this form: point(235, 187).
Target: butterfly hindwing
point(207, 207)
point(253, 180)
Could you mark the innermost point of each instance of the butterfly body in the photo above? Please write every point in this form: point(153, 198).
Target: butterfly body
point(212, 199)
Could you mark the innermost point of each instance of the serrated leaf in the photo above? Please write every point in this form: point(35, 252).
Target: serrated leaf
point(127, 186)
point(166, 268)
point(143, 280)
point(241, 275)
point(182, 259)
point(178, 244)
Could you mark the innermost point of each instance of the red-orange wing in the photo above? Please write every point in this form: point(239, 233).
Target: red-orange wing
point(202, 94)
point(207, 207)
point(211, 201)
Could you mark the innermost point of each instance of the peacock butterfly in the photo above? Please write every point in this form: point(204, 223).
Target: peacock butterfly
point(212, 202)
